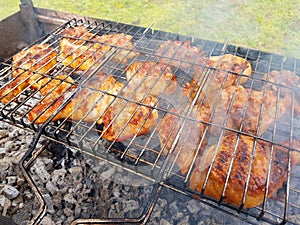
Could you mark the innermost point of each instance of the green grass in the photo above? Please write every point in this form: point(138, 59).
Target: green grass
point(270, 25)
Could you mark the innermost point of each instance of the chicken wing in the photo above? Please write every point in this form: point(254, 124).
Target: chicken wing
point(248, 158)
point(151, 77)
point(27, 68)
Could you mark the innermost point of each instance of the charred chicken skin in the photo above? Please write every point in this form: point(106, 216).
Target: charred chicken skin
point(27, 67)
point(249, 158)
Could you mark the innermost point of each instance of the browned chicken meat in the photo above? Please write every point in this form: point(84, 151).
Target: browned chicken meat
point(55, 86)
point(88, 104)
point(248, 158)
point(79, 32)
point(130, 118)
point(27, 68)
point(151, 77)
point(180, 54)
point(284, 83)
point(219, 72)
point(123, 42)
point(79, 56)
point(190, 134)
point(244, 109)
point(88, 50)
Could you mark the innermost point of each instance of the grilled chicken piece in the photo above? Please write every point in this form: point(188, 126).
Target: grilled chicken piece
point(88, 103)
point(285, 82)
point(55, 86)
point(79, 32)
point(221, 72)
point(180, 54)
point(244, 109)
point(130, 118)
point(190, 137)
point(123, 42)
point(27, 68)
point(79, 56)
point(248, 157)
point(151, 77)
point(90, 49)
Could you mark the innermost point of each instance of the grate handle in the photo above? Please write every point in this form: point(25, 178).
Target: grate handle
point(29, 19)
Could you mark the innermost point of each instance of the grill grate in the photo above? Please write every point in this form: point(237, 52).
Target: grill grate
point(143, 154)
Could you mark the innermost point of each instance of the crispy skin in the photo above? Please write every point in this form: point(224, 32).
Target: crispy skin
point(285, 82)
point(87, 49)
point(126, 119)
point(253, 110)
point(88, 104)
point(27, 67)
point(180, 54)
point(240, 169)
point(189, 140)
point(223, 71)
point(151, 77)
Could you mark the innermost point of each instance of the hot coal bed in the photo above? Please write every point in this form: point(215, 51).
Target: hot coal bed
point(68, 175)
point(77, 186)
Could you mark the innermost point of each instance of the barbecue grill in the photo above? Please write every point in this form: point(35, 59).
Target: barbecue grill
point(140, 156)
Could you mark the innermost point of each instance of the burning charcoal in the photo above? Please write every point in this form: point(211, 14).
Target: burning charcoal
point(39, 169)
point(20, 180)
point(5, 164)
point(184, 221)
point(9, 145)
point(10, 192)
point(68, 212)
point(77, 210)
point(58, 177)
point(29, 139)
point(70, 198)
point(49, 203)
point(76, 173)
point(193, 206)
point(11, 180)
point(14, 133)
point(6, 205)
point(115, 211)
point(47, 220)
point(131, 205)
point(3, 151)
point(104, 193)
point(2, 200)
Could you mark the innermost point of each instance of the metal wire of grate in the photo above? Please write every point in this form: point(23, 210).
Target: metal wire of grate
point(143, 153)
